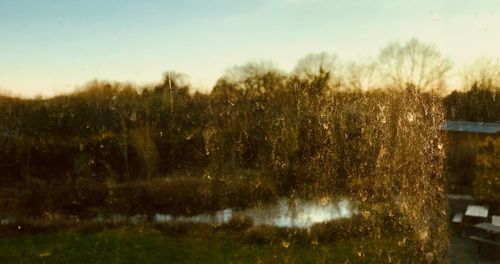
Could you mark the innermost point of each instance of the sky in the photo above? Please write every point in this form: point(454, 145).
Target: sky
point(49, 47)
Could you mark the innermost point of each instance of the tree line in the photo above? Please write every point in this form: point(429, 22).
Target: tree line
point(255, 117)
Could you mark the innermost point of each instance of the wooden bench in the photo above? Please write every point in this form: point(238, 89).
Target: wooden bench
point(482, 241)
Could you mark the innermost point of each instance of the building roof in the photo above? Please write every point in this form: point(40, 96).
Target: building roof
point(471, 127)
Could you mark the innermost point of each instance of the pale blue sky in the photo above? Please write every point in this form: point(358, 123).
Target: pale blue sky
point(54, 46)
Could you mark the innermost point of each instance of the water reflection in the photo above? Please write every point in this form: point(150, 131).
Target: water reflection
point(284, 213)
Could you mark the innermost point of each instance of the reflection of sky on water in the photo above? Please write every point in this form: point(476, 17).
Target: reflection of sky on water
point(219, 217)
point(285, 213)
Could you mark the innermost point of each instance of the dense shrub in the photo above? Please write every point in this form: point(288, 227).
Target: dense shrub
point(487, 181)
point(82, 198)
point(173, 196)
point(242, 189)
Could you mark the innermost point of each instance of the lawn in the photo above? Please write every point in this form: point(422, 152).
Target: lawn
point(146, 244)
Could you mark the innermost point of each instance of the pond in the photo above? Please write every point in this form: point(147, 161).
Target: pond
point(284, 213)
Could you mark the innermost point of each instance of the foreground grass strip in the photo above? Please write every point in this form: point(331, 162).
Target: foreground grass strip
point(147, 245)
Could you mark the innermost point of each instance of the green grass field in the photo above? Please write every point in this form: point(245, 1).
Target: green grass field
point(143, 244)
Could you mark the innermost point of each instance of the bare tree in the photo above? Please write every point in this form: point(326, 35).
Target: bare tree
point(241, 73)
point(360, 76)
point(313, 64)
point(482, 73)
point(255, 78)
point(413, 63)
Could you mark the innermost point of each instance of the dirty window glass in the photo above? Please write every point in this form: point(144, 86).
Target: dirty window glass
point(128, 135)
